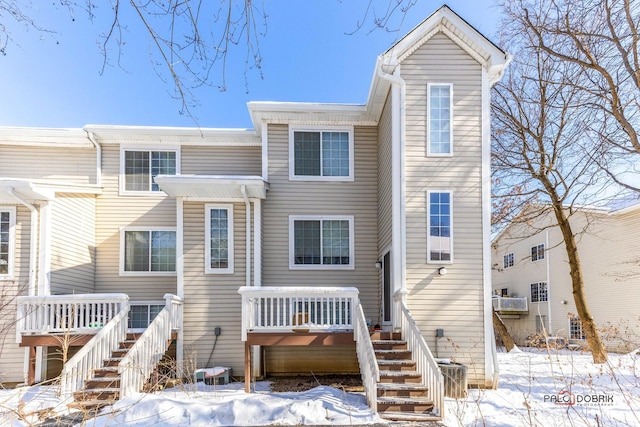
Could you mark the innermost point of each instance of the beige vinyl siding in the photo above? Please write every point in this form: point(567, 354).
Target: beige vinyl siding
point(73, 244)
point(357, 198)
point(12, 360)
point(77, 165)
point(212, 299)
point(197, 160)
point(453, 302)
point(384, 178)
point(114, 212)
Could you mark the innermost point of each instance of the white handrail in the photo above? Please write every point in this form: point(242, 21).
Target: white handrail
point(285, 308)
point(142, 358)
point(91, 356)
point(66, 313)
point(425, 362)
point(369, 369)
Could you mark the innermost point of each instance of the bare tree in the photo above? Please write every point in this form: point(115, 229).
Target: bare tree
point(538, 150)
point(191, 41)
point(601, 37)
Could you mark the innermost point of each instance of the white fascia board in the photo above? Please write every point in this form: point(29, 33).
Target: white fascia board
point(162, 135)
point(44, 137)
point(309, 113)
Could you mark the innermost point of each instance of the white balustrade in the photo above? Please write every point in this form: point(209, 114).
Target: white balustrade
point(510, 304)
point(278, 309)
point(369, 369)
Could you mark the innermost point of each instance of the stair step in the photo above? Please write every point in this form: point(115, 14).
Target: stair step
point(102, 382)
point(396, 365)
point(412, 377)
point(379, 335)
point(409, 416)
point(127, 343)
point(88, 405)
point(405, 404)
point(402, 390)
point(112, 361)
point(106, 371)
point(119, 353)
point(110, 394)
point(389, 345)
point(393, 354)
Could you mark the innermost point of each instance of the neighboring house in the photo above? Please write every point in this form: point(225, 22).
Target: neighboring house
point(532, 285)
point(277, 235)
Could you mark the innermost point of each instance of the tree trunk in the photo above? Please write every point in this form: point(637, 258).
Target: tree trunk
point(598, 351)
point(506, 337)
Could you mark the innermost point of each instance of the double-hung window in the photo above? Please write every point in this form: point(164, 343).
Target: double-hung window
point(539, 292)
point(509, 260)
point(575, 328)
point(139, 167)
point(324, 242)
point(219, 239)
point(7, 241)
point(537, 252)
point(321, 154)
point(439, 227)
point(440, 118)
point(148, 251)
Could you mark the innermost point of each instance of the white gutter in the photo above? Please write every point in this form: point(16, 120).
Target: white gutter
point(257, 243)
point(399, 237)
point(95, 143)
point(33, 250)
point(247, 204)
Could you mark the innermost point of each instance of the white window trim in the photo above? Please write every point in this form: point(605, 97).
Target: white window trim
point(576, 318)
point(505, 257)
point(294, 128)
point(121, 176)
point(12, 242)
point(428, 125)
point(429, 260)
point(207, 238)
point(123, 231)
point(544, 252)
point(294, 266)
point(546, 286)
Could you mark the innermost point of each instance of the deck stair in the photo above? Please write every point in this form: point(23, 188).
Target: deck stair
point(103, 388)
point(401, 394)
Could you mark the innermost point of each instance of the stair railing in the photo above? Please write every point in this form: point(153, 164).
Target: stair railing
point(91, 356)
point(366, 358)
point(143, 357)
point(425, 362)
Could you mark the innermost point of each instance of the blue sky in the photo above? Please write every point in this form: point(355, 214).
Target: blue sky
point(53, 80)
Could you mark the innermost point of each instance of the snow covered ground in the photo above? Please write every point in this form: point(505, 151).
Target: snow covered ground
point(537, 388)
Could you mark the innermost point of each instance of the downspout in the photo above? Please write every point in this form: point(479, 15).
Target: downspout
point(95, 143)
point(33, 250)
point(399, 237)
point(247, 204)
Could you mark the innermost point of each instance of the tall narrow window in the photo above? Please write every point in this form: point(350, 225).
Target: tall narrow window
point(149, 251)
point(509, 260)
point(575, 328)
point(7, 235)
point(219, 239)
point(537, 252)
point(321, 154)
point(440, 229)
point(140, 167)
point(321, 242)
point(439, 119)
point(539, 292)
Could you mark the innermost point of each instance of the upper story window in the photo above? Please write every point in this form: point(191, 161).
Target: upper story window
point(440, 227)
point(321, 154)
point(138, 169)
point(148, 251)
point(537, 252)
point(219, 239)
point(509, 260)
point(7, 241)
point(440, 119)
point(324, 242)
point(539, 292)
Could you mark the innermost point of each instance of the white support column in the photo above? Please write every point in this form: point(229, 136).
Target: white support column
point(44, 262)
point(180, 277)
point(257, 243)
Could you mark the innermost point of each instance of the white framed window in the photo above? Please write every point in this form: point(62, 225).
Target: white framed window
point(321, 153)
point(139, 167)
point(218, 239)
point(541, 323)
point(7, 242)
point(142, 313)
point(539, 292)
point(509, 260)
point(537, 252)
point(148, 251)
point(321, 242)
point(575, 328)
point(439, 119)
point(439, 227)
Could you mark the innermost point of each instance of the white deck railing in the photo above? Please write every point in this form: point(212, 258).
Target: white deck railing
point(369, 369)
point(143, 357)
point(425, 362)
point(510, 304)
point(60, 314)
point(280, 309)
point(91, 356)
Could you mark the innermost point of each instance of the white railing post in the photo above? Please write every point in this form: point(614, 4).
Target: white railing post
point(369, 369)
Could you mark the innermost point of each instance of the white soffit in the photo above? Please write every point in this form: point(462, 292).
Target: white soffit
point(37, 190)
point(212, 187)
point(51, 137)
